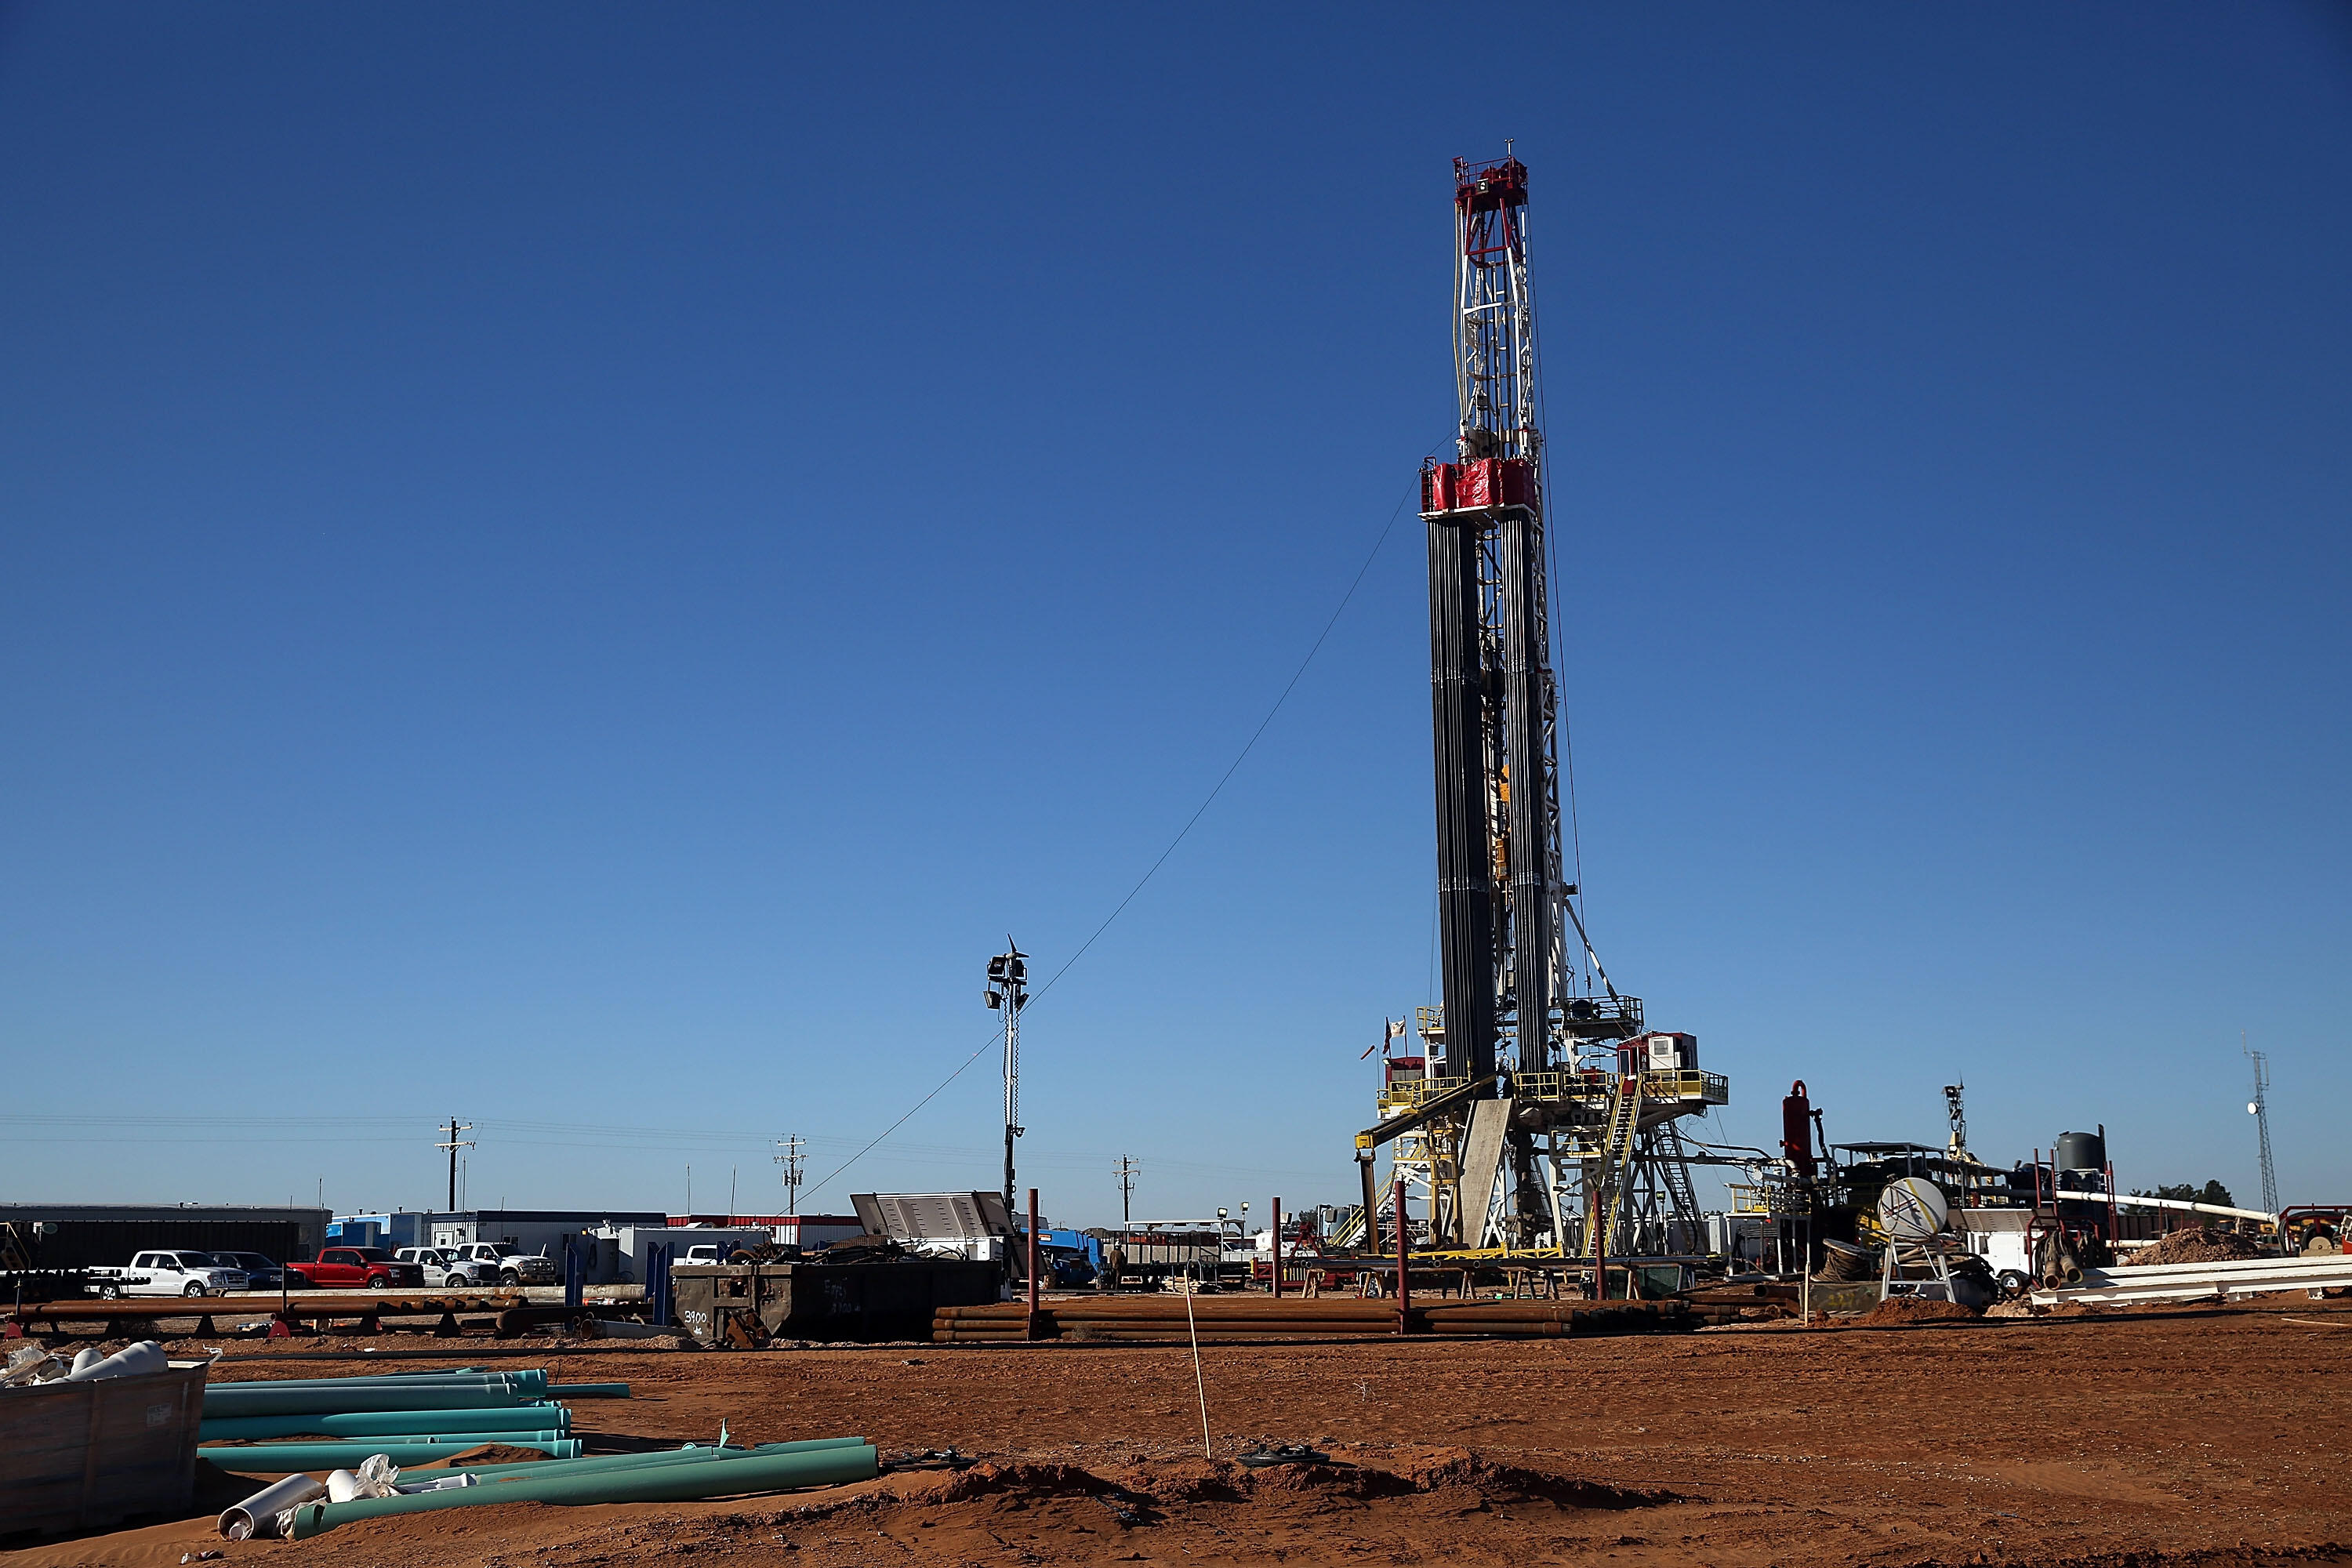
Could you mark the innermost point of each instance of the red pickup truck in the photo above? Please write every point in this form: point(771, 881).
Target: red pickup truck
point(366, 1268)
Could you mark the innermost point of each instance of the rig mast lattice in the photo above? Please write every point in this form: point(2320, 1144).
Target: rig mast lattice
point(1539, 1114)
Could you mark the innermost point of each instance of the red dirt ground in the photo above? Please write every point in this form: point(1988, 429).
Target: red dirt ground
point(2212, 1437)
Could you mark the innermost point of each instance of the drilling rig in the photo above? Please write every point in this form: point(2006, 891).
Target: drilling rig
point(1541, 1115)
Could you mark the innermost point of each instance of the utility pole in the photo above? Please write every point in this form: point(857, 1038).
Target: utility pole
point(452, 1144)
point(1008, 990)
point(1126, 1173)
point(2259, 1107)
point(789, 1159)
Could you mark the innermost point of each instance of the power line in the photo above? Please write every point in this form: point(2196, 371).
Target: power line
point(452, 1144)
point(1223, 779)
point(1126, 1173)
point(789, 1157)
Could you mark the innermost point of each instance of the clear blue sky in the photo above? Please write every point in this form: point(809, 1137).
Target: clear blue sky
point(581, 567)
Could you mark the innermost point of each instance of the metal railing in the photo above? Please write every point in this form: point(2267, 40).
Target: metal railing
point(1593, 1085)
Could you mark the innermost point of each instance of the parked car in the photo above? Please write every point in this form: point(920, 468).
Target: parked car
point(434, 1261)
point(363, 1268)
point(498, 1263)
point(168, 1274)
point(260, 1274)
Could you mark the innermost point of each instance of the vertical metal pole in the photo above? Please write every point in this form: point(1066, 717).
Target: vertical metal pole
point(1277, 1249)
point(1805, 1290)
point(1033, 1263)
point(1600, 1253)
point(1012, 1084)
point(453, 1164)
point(1404, 1277)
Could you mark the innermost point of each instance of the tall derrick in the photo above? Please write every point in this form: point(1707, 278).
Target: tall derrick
point(1490, 668)
point(1541, 1116)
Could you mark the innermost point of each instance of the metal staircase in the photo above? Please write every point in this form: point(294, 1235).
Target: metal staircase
point(1672, 1161)
point(1617, 1147)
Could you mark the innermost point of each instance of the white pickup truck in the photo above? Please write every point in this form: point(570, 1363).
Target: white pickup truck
point(496, 1263)
point(169, 1274)
point(434, 1261)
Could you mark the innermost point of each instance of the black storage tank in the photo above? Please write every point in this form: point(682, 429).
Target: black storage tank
point(2083, 1150)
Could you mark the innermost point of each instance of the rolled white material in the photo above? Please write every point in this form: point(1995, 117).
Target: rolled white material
point(258, 1514)
point(341, 1485)
point(146, 1356)
point(84, 1359)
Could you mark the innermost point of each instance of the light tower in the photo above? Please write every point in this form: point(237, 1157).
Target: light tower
point(1008, 990)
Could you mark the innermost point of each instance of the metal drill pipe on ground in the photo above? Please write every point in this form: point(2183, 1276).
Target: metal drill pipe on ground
point(256, 1306)
point(1210, 1306)
point(666, 1483)
point(1318, 1311)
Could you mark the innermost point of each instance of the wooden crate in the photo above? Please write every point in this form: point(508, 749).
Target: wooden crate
point(88, 1456)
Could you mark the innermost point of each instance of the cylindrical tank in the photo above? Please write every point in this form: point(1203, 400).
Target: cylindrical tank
point(1797, 1130)
point(2082, 1152)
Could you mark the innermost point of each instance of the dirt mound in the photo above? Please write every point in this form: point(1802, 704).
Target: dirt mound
point(1497, 1482)
point(2199, 1247)
point(1898, 1311)
point(1181, 1483)
point(1021, 1479)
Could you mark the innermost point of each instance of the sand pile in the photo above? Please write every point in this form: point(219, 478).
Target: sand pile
point(1898, 1311)
point(2199, 1247)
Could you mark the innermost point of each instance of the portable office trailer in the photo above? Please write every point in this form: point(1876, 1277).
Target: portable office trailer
point(531, 1230)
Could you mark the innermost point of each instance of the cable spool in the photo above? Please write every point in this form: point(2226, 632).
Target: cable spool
point(1843, 1260)
point(1912, 1209)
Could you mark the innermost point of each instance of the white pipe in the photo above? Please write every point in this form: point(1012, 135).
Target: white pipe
point(257, 1515)
point(2130, 1200)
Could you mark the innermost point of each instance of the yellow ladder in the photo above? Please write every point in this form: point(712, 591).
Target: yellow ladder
point(1617, 1150)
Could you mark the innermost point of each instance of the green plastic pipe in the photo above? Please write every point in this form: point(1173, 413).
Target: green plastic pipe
point(534, 1384)
point(590, 1464)
point(533, 1378)
point(660, 1457)
point(587, 1391)
point(656, 1483)
point(382, 1381)
point(518, 1436)
point(445, 1373)
point(285, 1458)
point(389, 1422)
point(261, 1399)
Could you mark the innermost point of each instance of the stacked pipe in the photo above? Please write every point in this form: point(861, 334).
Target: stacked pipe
point(1145, 1318)
point(411, 1418)
point(1729, 1303)
point(679, 1475)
